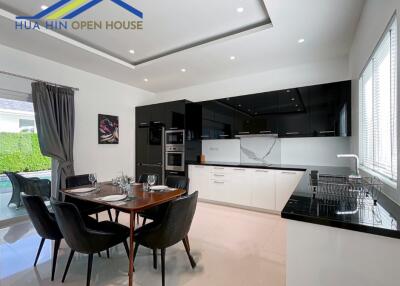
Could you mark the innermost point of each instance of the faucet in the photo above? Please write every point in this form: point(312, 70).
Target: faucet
point(357, 161)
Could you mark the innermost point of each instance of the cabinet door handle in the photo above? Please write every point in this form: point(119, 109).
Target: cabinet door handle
point(205, 136)
point(242, 133)
point(173, 128)
point(176, 173)
point(223, 135)
point(219, 175)
point(239, 169)
point(143, 123)
point(262, 171)
point(292, 133)
point(219, 182)
point(327, 132)
point(265, 131)
point(219, 168)
point(157, 122)
point(288, 173)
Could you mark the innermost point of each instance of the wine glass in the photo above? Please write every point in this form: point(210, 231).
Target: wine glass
point(92, 178)
point(151, 179)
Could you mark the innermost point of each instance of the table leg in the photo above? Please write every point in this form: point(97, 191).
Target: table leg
point(131, 247)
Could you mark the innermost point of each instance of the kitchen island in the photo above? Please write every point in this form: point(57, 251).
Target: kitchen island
point(331, 242)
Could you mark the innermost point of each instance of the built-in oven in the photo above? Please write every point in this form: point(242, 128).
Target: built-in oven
point(174, 159)
point(174, 138)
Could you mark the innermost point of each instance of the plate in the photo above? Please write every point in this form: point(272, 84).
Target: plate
point(113, 198)
point(81, 190)
point(158, 188)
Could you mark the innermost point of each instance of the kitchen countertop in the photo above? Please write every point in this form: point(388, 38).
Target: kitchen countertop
point(302, 206)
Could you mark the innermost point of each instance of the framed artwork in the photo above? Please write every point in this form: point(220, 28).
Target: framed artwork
point(108, 129)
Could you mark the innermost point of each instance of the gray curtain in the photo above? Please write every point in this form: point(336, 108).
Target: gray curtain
point(55, 121)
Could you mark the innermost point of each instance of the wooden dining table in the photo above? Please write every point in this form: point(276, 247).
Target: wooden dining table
point(139, 201)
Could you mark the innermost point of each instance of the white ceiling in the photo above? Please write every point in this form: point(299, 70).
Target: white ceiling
point(327, 27)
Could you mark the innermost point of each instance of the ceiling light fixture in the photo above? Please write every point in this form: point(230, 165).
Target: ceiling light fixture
point(300, 41)
point(132, 51)
point(292, 99)
point(232, 58)
point(183, 70)
point(146, 79)
point(240, 9)
point(44, 7)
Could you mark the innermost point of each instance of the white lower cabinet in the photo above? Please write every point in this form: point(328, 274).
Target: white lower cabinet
point(286, 182)
point(262, 188)
point(259, 188)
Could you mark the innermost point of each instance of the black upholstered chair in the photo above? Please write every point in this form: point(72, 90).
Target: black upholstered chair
point(45, 225)
point(171, 229)
point(157, 212)
point(87, 236)
point(30, 186)
point(86, 208)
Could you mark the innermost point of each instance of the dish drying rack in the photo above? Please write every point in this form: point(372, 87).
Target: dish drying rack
point(348, 196)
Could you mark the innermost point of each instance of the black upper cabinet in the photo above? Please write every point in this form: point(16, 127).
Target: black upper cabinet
point(217, 120)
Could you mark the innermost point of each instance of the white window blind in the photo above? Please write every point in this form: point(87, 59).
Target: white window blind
point(378, 108)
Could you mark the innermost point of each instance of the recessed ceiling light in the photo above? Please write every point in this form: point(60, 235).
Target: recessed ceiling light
point(44, 7)
point(132, 51)
point(232, 58)
point(292, 99)
point(288, 90)
point(239, 105)
point(146, 79)
point(240, 9)
point(300, 41)
point(183, 70)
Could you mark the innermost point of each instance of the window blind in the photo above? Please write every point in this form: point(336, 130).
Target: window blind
point(378, 108)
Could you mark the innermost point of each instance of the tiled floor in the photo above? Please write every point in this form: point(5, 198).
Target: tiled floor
point(231, 246)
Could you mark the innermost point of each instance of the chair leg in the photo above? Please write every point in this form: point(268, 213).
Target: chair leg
point(144, 221)
point(97, 217)
point(109, 215)
point(187, 248)
point(126, 247)
point(71, 255)
point(108, 253)
point(187, 241)
point(116, 215)
point(99, 254)
point(155, 258)
point(89, 269)
point(56, 247)
point(137, 218)
point(163, 266)
point(39, 251)
point(135, 250)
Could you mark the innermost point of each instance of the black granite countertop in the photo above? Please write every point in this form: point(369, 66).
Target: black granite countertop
point(252, 165)
point(382, 219)
point(303, 206)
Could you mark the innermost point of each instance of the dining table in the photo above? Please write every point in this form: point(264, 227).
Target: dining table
point(137, 200)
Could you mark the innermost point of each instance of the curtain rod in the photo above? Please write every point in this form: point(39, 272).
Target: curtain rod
point(34, 79)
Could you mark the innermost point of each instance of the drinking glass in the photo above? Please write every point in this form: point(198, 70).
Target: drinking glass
point(92, 178)
point(151, 179)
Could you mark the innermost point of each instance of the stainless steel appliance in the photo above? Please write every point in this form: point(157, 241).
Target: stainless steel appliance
point(174, 138)
point(175, 150)
point(175, 158)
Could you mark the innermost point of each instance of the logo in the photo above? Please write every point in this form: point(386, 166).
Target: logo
point(59, 16)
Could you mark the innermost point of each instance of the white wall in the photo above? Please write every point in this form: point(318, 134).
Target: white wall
point(96, 95)
point(373, 21)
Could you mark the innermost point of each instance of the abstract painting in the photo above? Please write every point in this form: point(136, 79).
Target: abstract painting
point(108, 129)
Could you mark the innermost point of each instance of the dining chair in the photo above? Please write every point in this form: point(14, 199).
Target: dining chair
point(86, 208)
point(173, 228)
point(31, 186)
point(45, 224)
point(157, 212)
point(87, 236)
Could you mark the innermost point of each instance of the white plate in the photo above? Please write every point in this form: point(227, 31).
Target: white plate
point(81, 190)
point(113, 198)
point(158, 188)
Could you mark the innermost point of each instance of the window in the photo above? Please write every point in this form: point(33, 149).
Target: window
point(378, 107)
